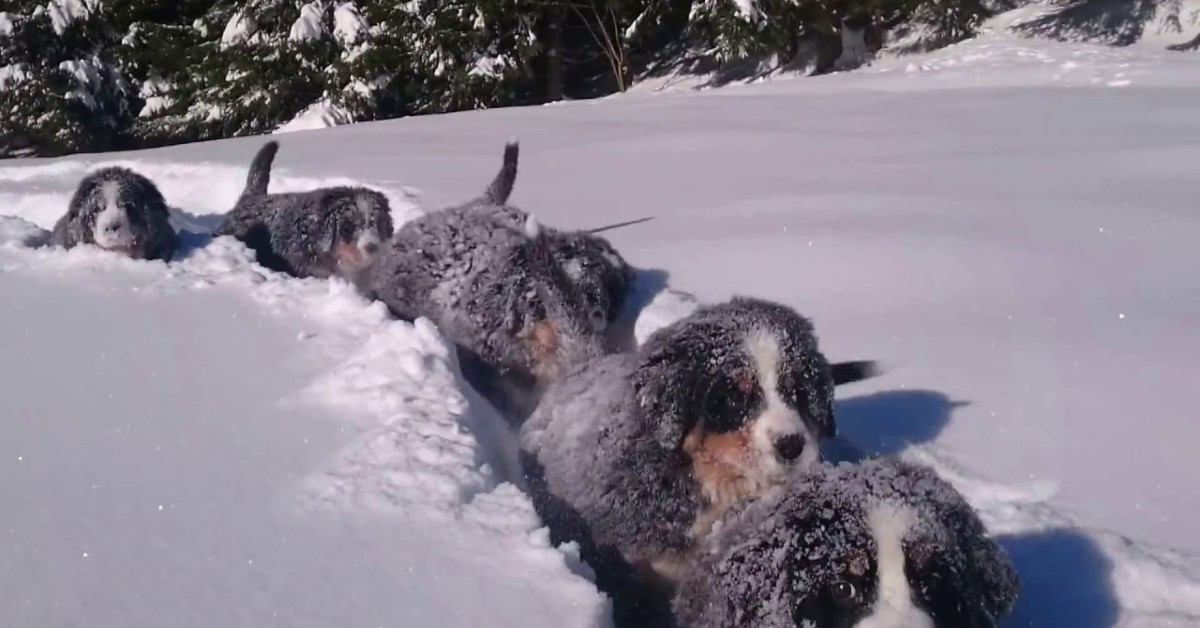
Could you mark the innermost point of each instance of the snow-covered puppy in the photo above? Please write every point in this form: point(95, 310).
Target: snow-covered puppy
point(635, 455)
point(601, 275)
point(597, 271)
point(485, 274)
point(320, 233)
point(883, 544)
point(118, 210)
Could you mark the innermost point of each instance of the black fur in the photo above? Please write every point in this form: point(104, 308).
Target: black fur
point(808, 555)
point(320, 233)
point(488, 280)
point(594, 267)
point(680, 367)
point(143, 214)
point(603, 450)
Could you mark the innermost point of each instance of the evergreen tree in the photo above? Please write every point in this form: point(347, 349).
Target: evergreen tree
point(82, 75)
point(59, 89)
point(155, 54)
point(261, 63)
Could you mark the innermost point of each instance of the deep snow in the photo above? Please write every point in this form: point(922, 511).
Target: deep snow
point(1008, 224)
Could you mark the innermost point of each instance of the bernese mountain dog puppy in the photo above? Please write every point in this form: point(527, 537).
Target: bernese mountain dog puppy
point(485, 273)
point(881, 544)
point(635, 455)
point(603, 278)
point(117, 210)
point(331, 231)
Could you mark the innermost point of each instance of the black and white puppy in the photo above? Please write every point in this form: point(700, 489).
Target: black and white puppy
point(636, 455)
point(598, 271)
point(333, 231)
point(882, 544)
point(118, 210)
point(595, 268)
point(486, 275)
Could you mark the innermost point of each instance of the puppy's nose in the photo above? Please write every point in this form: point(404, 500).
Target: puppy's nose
point(370, 248)
point(112, 227)
point(790, 447)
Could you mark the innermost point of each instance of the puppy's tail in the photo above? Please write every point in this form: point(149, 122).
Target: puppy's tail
point(850, 372)
point(259, 176)
point(501, 187)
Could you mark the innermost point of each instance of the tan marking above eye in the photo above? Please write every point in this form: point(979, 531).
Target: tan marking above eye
point(857, 564)
point(744, 381)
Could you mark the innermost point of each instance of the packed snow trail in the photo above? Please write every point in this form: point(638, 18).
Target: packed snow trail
point(210, 443)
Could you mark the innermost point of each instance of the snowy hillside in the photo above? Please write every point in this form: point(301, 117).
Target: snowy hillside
point(1009, 225)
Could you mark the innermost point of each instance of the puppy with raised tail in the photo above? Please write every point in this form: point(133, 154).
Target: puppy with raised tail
point(635, 455)
point(599, 273)
point(333, 231)
point(881, 544)
point(486, 275)
point(118, 210)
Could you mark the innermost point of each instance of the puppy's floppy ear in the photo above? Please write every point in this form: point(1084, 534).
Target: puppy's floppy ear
point(999, 584)
point(989, 580)
point(665, 384)
point(736, 577)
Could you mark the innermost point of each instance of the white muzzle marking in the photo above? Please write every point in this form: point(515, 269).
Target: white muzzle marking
point(894, 606)
point(778, 419)
point(367, 242)
point(112, 229)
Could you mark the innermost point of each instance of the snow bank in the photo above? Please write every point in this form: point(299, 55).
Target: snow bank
point(319, 115)
point(354, 486)
point(40, 194)
point(20, 233)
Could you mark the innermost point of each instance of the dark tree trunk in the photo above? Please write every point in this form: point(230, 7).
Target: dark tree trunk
point(555, 72)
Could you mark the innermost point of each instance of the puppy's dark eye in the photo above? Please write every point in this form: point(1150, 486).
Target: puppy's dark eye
point(844, 594)
point(731, 401)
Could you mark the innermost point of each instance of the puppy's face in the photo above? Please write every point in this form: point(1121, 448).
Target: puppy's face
point(861, 549)
point(557, 331)
point(598, 272)
point(889, 565)
point(357, 229)
point(117, 218)
point(743, 391)
point(873, 574)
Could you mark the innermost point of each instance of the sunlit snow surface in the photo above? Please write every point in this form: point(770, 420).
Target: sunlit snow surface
point(1009, 225)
